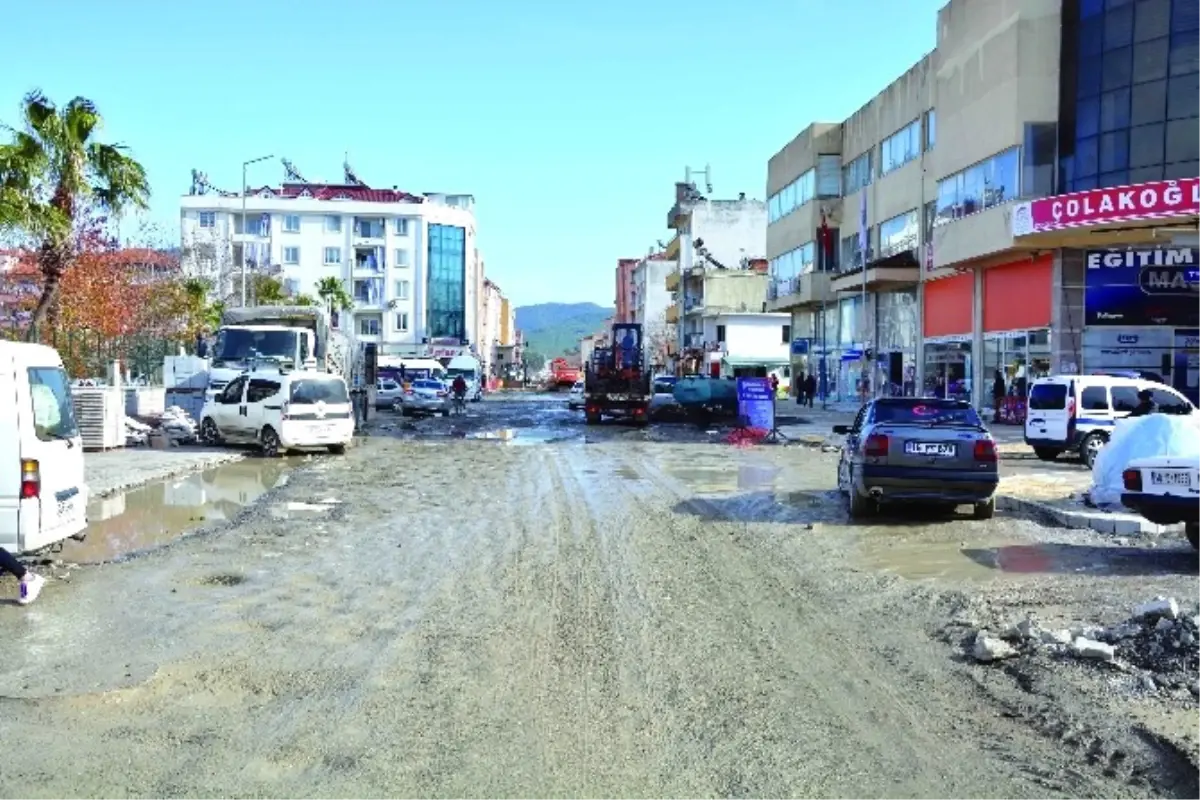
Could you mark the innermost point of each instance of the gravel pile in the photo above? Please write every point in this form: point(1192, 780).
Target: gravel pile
point(1158, 644)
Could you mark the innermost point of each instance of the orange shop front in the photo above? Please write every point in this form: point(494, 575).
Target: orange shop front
point(947, 328)
point(1017, 307)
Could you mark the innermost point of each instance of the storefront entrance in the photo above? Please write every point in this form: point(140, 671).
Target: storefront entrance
point(948, 322)
point(1019, 357)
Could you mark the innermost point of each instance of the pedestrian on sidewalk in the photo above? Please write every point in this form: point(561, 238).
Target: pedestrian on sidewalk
point(997, 395)
point(31, 584)
point(798, 386)
point(810, 389)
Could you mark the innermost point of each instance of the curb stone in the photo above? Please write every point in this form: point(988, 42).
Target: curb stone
point(1113, 524)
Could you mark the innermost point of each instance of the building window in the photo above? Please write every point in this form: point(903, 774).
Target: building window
point(401, 226)
point(401, 321)
point(984, 185)
point(402, 290)
point(720, 334)
point(447, 281)
point(253, 225)
point(291, 255)
point(929, 214)
point(368, 228)
point(784, 269)
point(852, 254)
point(856, 174)
point(401, 257)
point(787, 334)
point(368, 291)
point(829, 176)
point(930, 129)
point(291, 223)
point(368, 326)
point(333, 255)
point(208, 219)
point(333, 223)
point(899, 233)
point(901, 147)
point(792, 196)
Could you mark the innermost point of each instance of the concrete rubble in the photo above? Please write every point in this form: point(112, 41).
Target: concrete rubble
point(1158, 645)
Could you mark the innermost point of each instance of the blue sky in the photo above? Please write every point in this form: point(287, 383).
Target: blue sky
point(569, 122)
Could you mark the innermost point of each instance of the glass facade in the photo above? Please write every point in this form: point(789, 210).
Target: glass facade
point(447, 283)
point(1136, 92)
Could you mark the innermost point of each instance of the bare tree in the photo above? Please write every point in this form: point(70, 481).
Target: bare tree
point(209, 256)
point(657, 333)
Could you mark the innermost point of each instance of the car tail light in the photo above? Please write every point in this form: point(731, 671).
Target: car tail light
point(31, 479)
point(1071, 407)
point(1132, 479)
point(876, 445)
point(408, 392)
point(985, 450)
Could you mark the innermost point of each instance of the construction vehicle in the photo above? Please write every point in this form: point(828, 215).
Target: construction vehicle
point(616, 382)
point(286, 338)
point(563, 375)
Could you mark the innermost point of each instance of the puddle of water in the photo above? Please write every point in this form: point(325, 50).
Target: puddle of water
point(157, 513)
point(519, 436)
point(726, 479)
point(924, 560)
point(297, 509)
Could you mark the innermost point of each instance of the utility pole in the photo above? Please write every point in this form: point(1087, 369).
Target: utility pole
point(246, 164)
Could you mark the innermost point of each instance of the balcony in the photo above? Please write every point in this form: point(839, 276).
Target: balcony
point(369, 259)
point(694, 305)
point(368, 294)
point(369, 230)
point(895, 271)
point(812, 288)
point(672, 281)
point(673, 313)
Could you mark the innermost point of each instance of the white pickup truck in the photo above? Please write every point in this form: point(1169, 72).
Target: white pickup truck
point(1166, 491)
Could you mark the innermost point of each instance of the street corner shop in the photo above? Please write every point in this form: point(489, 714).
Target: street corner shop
point(1128, 268)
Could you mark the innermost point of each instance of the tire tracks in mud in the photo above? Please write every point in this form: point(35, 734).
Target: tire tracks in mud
point(887, 660)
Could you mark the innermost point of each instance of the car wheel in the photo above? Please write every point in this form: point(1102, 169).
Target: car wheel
point(270, 442)
point(445, 413)
point(404, 412)
point(1046, 453)
point(1090, 448)
point(593, 419)
point(1192, 529)
point(337, 449)
point(985, 510)
point(209, 433)
point(859, 506)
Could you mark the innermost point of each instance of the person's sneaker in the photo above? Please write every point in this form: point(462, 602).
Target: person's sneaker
point(31, 587)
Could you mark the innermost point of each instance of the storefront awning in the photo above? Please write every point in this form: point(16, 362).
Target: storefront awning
point(757, 361)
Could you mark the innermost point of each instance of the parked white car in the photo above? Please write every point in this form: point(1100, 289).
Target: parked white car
point(280, 412)
point(575, 399)
point(1166, 491)
point(426, 396)
point(1078, 412)
point(387, 393)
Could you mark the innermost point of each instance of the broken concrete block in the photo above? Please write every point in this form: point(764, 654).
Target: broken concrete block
point(1158, 607)
point(1062, 636)
point(1164, 624)
point(1090, 648)
point(1126, 630)
point(988, 648)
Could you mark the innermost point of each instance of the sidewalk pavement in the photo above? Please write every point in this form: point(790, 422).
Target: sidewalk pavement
point(818, 420)
point(117, 470)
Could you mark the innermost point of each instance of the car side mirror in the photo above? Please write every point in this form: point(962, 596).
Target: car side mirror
point(841, 430)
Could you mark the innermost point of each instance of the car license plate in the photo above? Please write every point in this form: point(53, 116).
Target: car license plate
point(929, 449)
point(1170, 477)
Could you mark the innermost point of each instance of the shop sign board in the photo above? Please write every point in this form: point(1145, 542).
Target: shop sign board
point(1146, 286)
point(1117, 204)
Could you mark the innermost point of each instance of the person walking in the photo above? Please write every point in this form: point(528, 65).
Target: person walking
point(799, 387)
point(997, 395)
point(31, 584)
point(810, 389)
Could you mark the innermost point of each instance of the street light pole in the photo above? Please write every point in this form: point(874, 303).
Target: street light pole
point(246, 164)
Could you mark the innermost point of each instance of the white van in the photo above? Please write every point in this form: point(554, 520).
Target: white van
point(281, 412)
point(1079, 412)
point(43, 496)
point(471, 371)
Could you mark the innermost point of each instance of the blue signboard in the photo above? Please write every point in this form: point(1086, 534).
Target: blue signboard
point(799, 347)
point(756, 402)
point(1151, 286)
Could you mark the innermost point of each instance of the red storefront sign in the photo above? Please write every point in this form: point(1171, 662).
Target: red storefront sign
point(1154, 200)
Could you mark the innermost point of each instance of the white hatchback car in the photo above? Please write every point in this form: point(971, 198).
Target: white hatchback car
point(575, 399)
point(280, 412)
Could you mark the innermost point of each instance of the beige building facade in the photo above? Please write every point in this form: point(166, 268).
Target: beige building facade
point(915, 188)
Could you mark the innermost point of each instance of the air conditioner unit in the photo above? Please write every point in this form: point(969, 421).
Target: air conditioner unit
point(392, 304)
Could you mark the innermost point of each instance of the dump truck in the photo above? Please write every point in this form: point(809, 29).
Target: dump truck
point(286, 338)
point(616, 383)
point(563, 375)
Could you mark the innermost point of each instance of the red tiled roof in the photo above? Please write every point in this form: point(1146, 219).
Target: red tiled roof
point(334, 191)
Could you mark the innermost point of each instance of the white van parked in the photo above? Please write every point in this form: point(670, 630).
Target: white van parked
point(1079, 412)
point(43, 496)
point(281, 412)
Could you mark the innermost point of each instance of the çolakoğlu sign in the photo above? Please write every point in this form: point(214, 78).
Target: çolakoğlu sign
point(1143, 201)
point(1149, 286)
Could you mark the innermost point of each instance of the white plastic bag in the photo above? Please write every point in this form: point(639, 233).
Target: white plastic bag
point(1141, 437)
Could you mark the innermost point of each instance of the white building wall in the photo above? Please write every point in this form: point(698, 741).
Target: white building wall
point(751, 335)
point(732, 230)
point(313, 238)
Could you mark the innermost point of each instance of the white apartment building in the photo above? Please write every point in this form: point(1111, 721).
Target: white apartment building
point(650, 301)
point(408, 261)
point(489, 330)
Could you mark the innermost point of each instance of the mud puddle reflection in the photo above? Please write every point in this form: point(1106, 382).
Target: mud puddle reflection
point(157, 513)
point(522, 436)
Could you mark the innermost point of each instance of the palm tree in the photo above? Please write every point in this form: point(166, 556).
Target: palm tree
point(268, 291)
point(202, 314)
point(303, 300)
point(333, 295)
point(52, 174)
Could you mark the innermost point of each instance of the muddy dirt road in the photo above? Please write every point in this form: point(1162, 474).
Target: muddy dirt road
point(446, 617)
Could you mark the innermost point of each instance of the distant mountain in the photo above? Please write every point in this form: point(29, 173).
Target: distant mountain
point(554, 329)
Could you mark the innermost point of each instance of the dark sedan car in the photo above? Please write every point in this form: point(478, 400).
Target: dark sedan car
point(918, 450)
